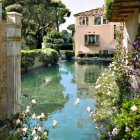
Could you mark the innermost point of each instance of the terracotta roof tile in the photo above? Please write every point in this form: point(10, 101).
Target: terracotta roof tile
point(99, 11)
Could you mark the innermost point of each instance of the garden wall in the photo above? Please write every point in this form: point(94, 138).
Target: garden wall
point(3, 72)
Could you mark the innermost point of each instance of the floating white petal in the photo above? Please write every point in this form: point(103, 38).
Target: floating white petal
point(88, 109)
point(25, 129)
point(33, 133)
point(39, 129)
point(42, 115)
point(55, 122)
point(77, 101)
point(34, 116)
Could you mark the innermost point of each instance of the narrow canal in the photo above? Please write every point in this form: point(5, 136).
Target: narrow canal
point(56, 90)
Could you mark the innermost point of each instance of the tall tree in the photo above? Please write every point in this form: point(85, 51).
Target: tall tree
point(53, 40)
point(39, 16)
point(60, 12)
point(67, 37)
point(71, 28)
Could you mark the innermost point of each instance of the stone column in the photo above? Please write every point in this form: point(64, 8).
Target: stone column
point(13, 62)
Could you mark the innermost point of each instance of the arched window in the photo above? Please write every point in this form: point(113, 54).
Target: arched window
point(97, 20)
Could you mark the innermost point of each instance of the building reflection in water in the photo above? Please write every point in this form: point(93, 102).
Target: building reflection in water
point(86, 76)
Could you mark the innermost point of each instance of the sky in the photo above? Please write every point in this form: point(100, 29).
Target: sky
point(77, 6)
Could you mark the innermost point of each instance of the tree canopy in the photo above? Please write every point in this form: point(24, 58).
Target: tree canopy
point(71, 28)
point(53, 40)
point(40, 16)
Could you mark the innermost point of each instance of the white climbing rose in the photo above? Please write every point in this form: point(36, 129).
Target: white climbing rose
point(134, 108)
point(33, 101)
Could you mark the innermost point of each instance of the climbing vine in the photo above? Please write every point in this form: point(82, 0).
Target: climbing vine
point(117, 96)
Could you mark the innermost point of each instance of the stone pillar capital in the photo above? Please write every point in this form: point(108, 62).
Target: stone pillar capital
point(14, 26)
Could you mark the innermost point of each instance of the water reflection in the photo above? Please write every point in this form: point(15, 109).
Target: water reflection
point(57, 89)
point(86, 76)
point(44, 85)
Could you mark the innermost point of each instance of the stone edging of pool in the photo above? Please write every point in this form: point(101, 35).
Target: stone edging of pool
point(93, 58)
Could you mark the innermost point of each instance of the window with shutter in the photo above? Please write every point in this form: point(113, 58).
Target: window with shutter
point(92, 39)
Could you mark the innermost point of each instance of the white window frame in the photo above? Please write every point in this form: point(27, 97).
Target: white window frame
point(88, 41)
point(83, 20)
point(106, 21)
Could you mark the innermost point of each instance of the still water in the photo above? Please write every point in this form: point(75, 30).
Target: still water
point(56, 89)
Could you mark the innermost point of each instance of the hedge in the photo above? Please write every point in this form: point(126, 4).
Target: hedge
point(46, 56)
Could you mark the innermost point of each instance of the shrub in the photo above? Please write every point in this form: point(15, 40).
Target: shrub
point(96, 55)
point(89, 54)
point(117, 97)
point(53, 40)
point(14, 8)
point(46, 56)
point(129, 119)
point(27, 59)
point(81, 54)
point(20, 124)
point(69, 54)
point(29, 43)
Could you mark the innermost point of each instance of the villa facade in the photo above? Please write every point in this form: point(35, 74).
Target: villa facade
point(94, 33)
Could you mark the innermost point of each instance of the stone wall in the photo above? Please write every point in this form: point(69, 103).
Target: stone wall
point(3, 72)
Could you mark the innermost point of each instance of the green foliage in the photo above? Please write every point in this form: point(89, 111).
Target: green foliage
point(67, 37)
point(108, 8)
point(28, 58)
point(71, 28)
point(14, 8)
point(128, 121)
point(46, 56)
point(69, 55)
point(117, 101)
point(90, 54)
point(28, 43)
point(39, 16)
point(20, 124)
point(53, 40)
point(59, 12)
point(4, 134)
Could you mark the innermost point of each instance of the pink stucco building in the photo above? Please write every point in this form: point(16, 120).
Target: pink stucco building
point(94, 33)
